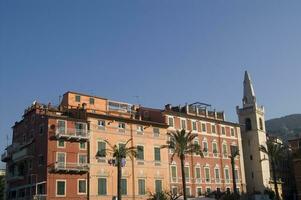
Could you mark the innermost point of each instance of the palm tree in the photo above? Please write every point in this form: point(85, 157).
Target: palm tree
point(233, 154)
point(119, 153)
point(182, 143)
point(275, 152)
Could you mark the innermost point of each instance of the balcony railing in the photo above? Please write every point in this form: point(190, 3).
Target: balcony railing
point(40, 197)
point(71, 167)
point(72, 133)
point(15, 178)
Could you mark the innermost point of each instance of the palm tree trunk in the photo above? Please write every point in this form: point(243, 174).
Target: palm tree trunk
point(275, 180)
point(233, 176)
point(119, 173)
point(182, 158)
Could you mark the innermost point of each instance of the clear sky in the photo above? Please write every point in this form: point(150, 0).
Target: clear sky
point(162, 51)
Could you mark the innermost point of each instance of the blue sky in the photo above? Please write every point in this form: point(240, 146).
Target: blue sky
point(162, 51)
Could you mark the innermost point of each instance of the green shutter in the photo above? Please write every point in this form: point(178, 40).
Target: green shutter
point(173, 171)
point(60, 187)
point(141, 187)
point(123, 186)
point(102, 186)
point(198, 172)
point(158, 184)
point(140, 152)
point(102, 148)
point(157, 154)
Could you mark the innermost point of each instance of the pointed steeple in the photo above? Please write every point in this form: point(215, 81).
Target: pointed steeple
point(249, 98)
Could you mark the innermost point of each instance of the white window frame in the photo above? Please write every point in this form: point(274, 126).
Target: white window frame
point(65, 156)
point(196, 126)
point(81, 193)
point(207, 167)
point(223, 127)
point(215, 131)
point(227, 181)
point(173, 121)
point(58, 142)
point(139, 160)
point(231, 132)
point(172, 187)
point(139, 132)
point(57, 122)
point(85, 145)
point(189, 188)
point(56, 190)
point(215, 154)
point(219, 175)
point(198, 180)
point(205, 125)
point(81, 154)
point(188, 177)
point(181, 125)
point(102, 127)
point(196, 191)
point(172, 178)
point(145, 192)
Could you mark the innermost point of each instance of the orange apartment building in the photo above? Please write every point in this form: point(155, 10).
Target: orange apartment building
point(215, 136)
point(53, 150)
point(295, 145)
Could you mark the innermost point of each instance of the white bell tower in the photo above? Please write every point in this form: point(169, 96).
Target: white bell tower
point(253, 134)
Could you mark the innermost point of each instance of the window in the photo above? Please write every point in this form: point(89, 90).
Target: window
point(61, 143)
point(29, 164)
point(61, 126)
point(41, 160)
point(183, 124)
point(214, 149)
point(232, 132)
point(207, 174)
point(217, 176)
point(157, 154)
point(101, 147)
point(205, 149)
point(197, 143)
point(82, 159)
point(251, 157)
point(101, 124)
point(102, 186)
point(173, 173)
point(158, 186)
point(140, 152)
point(61, 188)
point(82, 186)
point(123, 186)
point(61, 159)
point(194, 126)
point(223, 131)
point(77, 98)
point(260, 124)
point(236, 175)
point(225, 151)
point(171, 121)
point(203, 127)
point(208, 189)
point(199, 191)
point(91, 100)
point(187, 173)
point(121, 127)
point(174, 190)
point(213, 128)
point(227, 176)
point(139, 129)
point(156, 132)
point(198, 174)
point(82, 145)
point(248, 124)
point(141, 186)
point(188, 191)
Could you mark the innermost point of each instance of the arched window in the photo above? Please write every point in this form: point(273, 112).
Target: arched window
point(248, 124)
point(260, 124)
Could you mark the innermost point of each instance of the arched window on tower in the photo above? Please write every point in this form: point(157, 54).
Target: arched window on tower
point(260, 124)
point(248, 124)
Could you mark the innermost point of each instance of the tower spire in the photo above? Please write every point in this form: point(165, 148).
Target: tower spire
point(249, 95)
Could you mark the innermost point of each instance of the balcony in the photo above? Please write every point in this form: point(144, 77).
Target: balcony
point(72, 134)
point(5, 156)
point(22, 154)
point(15, 178)
point(71, 167)
point(40, 197)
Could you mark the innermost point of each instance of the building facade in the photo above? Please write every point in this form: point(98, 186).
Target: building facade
point(251, 119)
point(295, 145)
point(54, 150)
